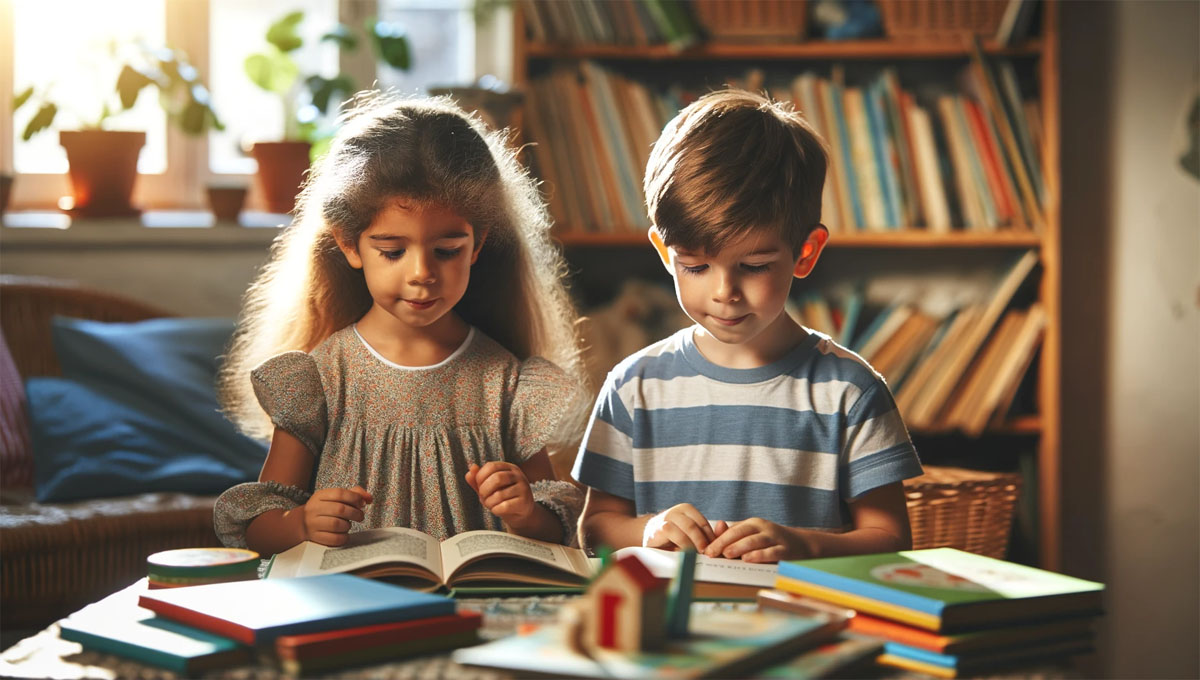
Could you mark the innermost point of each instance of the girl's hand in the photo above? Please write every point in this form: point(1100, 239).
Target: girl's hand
point(504, 490)
point(757, 540)
point(327, 515)
point(680, 526)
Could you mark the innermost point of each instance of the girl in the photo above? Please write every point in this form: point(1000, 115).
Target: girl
point(392, 342)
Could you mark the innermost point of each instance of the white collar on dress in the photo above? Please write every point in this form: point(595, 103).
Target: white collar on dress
point(453, 355)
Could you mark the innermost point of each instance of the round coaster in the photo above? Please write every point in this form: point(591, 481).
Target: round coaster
point(201, 564)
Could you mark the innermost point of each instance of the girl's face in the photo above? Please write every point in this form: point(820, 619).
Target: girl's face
point(417, 261)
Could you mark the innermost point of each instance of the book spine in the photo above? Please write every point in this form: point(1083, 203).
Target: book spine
point(884, 155)
point(853, 191)
point(860, 603)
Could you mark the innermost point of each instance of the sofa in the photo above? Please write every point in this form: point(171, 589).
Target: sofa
point(58, 556)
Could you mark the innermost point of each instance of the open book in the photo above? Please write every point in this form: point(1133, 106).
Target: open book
point(410, 558)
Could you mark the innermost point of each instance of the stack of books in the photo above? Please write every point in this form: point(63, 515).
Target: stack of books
point(306, 624)
point(947, 613)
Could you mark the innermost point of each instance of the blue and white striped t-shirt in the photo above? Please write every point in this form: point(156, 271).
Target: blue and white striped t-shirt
point(789, 442)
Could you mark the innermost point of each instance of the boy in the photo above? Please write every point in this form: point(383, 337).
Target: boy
point(745, 436)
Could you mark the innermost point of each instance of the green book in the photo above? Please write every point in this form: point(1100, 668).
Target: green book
point(941, 589)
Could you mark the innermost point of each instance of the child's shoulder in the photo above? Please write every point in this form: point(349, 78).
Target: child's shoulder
point(654, 359)
point(831, 362)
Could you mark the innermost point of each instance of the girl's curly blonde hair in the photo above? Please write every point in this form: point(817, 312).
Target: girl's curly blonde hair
point(426, 150)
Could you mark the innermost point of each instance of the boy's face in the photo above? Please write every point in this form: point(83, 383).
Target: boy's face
point(737, 295)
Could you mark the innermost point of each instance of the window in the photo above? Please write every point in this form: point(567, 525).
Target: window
point(38, 47)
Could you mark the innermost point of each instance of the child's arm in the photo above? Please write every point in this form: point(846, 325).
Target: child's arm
point(880, 525)
point(611, 520)
point(325, 518)
point(504, 489)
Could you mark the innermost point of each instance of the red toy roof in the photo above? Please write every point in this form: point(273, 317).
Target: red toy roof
point(640, 575)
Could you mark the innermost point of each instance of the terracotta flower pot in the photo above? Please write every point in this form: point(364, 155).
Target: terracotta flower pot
point(281, 167)
point(103, 169)
point(226, 202)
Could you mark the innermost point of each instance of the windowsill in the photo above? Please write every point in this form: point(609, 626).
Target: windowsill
point(153, 228)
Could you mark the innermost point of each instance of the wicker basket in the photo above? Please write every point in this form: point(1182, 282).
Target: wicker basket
point(941, 20)
point(965, 509)
point(752, 21)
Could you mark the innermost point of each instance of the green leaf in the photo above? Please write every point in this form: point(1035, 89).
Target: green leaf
point(342, 36)
point(40, 121)
point(192, 118)
point(323, 89)
point(390, 42)
point(282, 34)
point(130, 84)
point(272, 72)
point(22, 97)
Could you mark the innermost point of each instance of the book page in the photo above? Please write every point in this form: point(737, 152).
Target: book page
point(664, 563)
point(471, 546)
point(362, 549)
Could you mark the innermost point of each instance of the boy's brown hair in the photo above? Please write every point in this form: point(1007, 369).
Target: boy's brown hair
point(732, 162)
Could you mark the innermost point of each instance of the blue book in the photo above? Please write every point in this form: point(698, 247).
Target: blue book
point(835, 95)
point(956, 665)
point(881, 143)
point(254, 612)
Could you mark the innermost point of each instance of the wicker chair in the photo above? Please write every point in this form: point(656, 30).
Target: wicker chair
point(54, 558)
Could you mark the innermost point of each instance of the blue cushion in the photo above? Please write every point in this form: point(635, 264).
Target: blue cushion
point(136, 411)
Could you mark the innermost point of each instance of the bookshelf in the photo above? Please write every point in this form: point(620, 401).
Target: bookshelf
point(1038, 429)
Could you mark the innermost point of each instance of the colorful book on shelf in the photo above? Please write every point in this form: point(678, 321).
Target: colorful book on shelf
point(967, 397)
point(1026, 125)
point(257, 612)
point(716, 578)
point(958, 158)
point(896, 101)
point(957, 666)
point(927, 407)
point(804, 96)
point(1009, 372)
point(329, 650)
point(837, 103)
point(976, 642)
point(935, 209)
point(994, 167)
point(884, 154)
point(478, 559)
point(894, 358)
point(941, 589)
point(722, 643)
point(866, 171)
point(616, 217)
point(975, 164)
point(847, 656)
point(933, 359)
point(851, 312)
point(116, 625)
point(613, 132)
point(884, 329)
point(838, 165)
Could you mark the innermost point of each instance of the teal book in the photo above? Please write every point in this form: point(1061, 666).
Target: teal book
point(255, 612)
point(941, 589)
point(885, 159)
point(845, 155)
point(721, 644)
point(133, 632)
point(959, 665)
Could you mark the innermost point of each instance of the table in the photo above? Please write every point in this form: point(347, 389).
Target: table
point(47, 655)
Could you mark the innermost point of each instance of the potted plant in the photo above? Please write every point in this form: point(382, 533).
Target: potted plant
point(306, 97)
point(102, 163)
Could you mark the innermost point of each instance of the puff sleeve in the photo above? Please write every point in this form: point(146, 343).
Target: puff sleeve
point(239, 505)
point(543, 394)
point(288, 387)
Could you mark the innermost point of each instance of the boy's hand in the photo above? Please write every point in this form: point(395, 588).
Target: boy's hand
point(328, 513)
point(504, 490)
point(756, 540)
point(678, 527)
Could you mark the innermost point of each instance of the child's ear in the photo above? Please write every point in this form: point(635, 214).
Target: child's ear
point(478, 246)
point(811, 251)
point(657, 242)
point(351, 253)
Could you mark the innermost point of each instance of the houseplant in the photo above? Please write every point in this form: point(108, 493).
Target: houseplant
point(305, 97)
point(103, 162)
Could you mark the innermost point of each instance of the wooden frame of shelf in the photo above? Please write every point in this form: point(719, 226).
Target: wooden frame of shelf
point(1046, 424)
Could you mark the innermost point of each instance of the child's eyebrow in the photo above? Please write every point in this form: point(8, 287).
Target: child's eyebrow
point(393, 237)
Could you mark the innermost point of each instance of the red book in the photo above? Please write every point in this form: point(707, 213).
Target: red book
point(310, 645)
point(993, 168)
point(973, 642)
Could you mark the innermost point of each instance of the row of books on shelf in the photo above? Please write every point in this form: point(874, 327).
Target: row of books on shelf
point(969, 160)
point(950, 366)
point(611, 22)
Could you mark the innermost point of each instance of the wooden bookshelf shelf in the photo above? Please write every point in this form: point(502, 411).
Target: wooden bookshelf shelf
point(913, 238)
point(845, 50)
